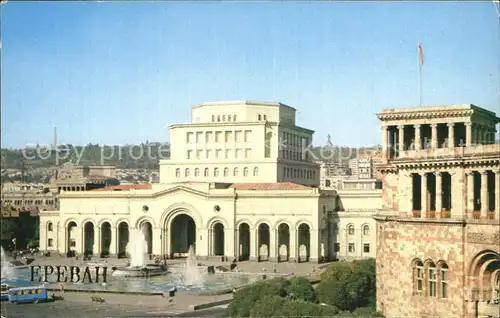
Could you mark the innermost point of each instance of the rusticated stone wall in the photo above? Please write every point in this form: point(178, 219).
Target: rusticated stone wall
point(398, 245)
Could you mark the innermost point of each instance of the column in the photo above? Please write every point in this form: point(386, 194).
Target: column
point(385, 150)
point(497, 194)
point(313, 246)
point(96, 248)
point(484, 194)
point(468, 134)
point(423, 210)
point(293, 245)
point(254, 242)
point(113, 250)
point(237, 252)
point(470, 194)
point(439, 194)
point(409, 194)
point(434, 143)
point(401, 139)
point(272, 245)
point(156, 233)
point(451, 135)
point(418, 137)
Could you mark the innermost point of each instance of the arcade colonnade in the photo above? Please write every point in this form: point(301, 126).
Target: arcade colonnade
point(259, 241)
point(440, 193)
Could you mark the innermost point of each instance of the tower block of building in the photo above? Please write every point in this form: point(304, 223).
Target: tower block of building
point(438, 240)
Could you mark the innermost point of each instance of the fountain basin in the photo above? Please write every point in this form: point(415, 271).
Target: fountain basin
point(149, 270)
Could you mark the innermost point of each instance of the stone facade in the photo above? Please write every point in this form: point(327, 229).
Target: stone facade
point(438, 252)
point(260, 202)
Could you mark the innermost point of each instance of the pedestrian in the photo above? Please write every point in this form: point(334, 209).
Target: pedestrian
point(61, 288)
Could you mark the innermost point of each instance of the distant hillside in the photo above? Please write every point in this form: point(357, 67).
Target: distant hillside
point(126, 157)
point(131, 156)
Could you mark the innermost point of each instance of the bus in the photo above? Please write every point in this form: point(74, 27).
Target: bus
point(4, 295)
point(31, 294)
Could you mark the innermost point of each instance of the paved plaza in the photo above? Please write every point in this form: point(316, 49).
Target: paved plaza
point(79, 304)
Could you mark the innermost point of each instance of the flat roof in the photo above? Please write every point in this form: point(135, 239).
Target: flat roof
point(243, 102)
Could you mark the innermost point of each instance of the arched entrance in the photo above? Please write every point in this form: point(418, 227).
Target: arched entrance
point(123, 238)
point(71, 237)
point(218, 239)
point(89, 238)
point(182, 235)
point(304, 235)
point(483, 273)
point(244, 242)
point(283, 242)
point(105, 238)
point(147, 231)
point(264, 239)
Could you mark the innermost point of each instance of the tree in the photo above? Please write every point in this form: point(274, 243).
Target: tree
point(302, 289)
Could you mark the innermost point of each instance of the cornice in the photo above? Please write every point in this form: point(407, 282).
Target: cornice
point(423, 114)
point(395, 219)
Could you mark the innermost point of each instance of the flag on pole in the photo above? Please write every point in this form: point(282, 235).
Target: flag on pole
point(420, 54)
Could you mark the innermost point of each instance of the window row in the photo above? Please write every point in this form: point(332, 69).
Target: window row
point(261, 117)
point(216, 172)
point(29, 202)
point(296, 173)
point(365, 229)
point(430, 280)
point(223, 118)
point(218, 136)
point(219, 154)
point(292, 140)
point(351, 248)
point(294, 155)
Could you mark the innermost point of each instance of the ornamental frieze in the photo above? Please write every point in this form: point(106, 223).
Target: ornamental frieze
point(483, 238)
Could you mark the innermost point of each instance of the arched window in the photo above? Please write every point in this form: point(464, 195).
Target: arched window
point(350, 229)
point(197, 172)
point(216, 172)
point(236, 172)
point(259, 117)
point(186, 172)
point(366, 230)
point(324, 209)
point(229, 118)
point(443, 275)
point(213, 118)
point(50, 227)
point(432, 279)
point(418, 277)
point(218, 118)
point(178, 172)
point(255, 171)
point(226, 172)
point(245, 172)
point(223, 117)
point(205, 173)
point(234, 118)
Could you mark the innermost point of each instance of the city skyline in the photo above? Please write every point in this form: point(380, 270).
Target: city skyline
point(117, 73)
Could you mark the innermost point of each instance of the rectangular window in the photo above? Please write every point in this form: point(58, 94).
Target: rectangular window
point(208, 137)
point(218, 136)
point(73, 243)
point(228, 136)
point(208, 153)
point(337, 247)
point(237, 154)
point(189, 154)
point(351, 247)
point(50, 242)
point(218, 153)
point(444, 283)
point(248, 135)
point(248, 153)
point(366, 248)
point(226, 153)
point(432, 282)
point(189, 137)
point(198, 154)
point(419, 277)
point(237, 136)
point(199, 138)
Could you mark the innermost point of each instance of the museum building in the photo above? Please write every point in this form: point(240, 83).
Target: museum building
point(238, 184)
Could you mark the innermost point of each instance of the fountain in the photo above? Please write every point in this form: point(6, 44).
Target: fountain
point(193, 274)
point(137, 248)
point(7, 270)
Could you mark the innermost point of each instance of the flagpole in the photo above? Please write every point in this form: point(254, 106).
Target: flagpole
point(420, 82)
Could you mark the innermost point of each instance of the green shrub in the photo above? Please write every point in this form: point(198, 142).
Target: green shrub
point(302, 289)
point(267, 307)
point(299, 308)
point(337, 271)
point(364, 312)
point(245, 298)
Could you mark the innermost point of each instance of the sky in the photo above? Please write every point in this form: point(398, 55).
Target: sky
point(120, 72)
